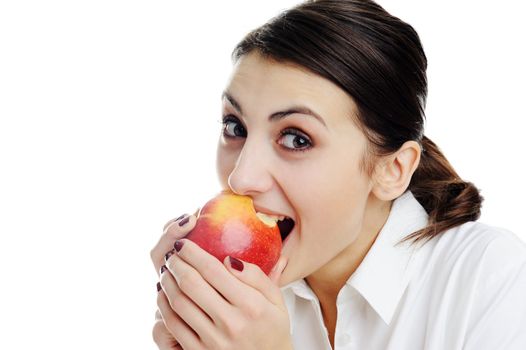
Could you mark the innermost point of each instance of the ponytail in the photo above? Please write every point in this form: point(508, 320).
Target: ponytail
point(448, 200)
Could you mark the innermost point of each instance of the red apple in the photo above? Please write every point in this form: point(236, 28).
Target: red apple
point(228, 225)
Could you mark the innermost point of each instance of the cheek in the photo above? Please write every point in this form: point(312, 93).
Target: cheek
point(342, 205)
point(333, 186)
point(352, 201)
point(331, 219)
point(335, 205)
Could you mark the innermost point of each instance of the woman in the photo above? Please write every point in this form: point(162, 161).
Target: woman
point(323, 122)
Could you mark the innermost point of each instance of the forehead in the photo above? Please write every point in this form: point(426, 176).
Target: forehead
point(258, 80)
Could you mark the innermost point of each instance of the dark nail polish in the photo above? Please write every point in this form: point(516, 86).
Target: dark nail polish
point(180, 217)
point(184, 221)
point(168, 255)
point(159, 286)
point(236, 264)
point(163, 268)
point(178, 245)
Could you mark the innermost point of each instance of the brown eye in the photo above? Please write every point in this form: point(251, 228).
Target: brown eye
point(295, 140)
point(232, 127)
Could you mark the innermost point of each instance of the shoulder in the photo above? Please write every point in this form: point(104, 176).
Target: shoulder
point(474, 277)
point(471, 257)
point(484, 268)
point(481, 246)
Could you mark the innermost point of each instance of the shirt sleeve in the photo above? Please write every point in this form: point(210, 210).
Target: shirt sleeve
point(498, 319)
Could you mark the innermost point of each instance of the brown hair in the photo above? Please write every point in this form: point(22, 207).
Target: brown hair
point(379, 61)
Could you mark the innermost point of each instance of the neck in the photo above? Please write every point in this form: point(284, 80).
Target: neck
point(327, 282)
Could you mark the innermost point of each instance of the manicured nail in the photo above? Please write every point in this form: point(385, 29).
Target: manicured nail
point(236, 264)
point(168, 255)
point(184, 221)
point(159, 286)
point(178, 245)
point(163, 268)
point(180, 217)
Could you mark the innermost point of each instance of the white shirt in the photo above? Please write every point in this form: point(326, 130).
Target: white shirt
point(464, 289)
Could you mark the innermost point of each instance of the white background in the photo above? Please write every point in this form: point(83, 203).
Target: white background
point(108, 122)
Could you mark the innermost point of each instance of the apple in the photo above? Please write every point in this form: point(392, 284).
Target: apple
point(228, 225)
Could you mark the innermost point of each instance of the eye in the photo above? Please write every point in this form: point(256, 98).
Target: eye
point(294, 140)
point(232, 127)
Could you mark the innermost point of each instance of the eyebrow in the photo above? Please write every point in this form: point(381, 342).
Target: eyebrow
point(277, 115)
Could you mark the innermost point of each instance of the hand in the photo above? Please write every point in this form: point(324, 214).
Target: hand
point(162, 336)
point(171, 232)
point(208, 304)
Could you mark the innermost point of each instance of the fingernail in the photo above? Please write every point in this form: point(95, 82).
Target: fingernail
point(178, 245)
point(159, 286)
point(168, 255)
point(163, 268)
point(180, 217)
point(236, 264)
point(184, 221)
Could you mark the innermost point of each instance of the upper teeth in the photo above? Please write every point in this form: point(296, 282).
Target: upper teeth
point(275, 217)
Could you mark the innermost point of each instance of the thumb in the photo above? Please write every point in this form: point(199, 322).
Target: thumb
point(277, 270)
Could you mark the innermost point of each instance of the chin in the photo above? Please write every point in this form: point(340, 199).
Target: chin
point(290, 275)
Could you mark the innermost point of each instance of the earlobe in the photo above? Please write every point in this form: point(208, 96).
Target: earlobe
point(393, 174)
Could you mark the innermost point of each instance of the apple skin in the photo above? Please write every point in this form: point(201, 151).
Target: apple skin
point(227, 225)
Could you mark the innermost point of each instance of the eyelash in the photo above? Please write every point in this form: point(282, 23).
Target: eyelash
point(287, 131)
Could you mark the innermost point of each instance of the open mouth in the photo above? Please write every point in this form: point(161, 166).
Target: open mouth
point(285, 224)
point(285, 227)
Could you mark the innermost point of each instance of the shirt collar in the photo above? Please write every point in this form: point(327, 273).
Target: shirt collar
point(385, 272)
point(290, 291)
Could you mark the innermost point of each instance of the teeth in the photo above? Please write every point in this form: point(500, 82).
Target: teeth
point(274, 217)
point(277, 217)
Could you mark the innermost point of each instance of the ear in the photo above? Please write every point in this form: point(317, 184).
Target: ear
point(393, 173)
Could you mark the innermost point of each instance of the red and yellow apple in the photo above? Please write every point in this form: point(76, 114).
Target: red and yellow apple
point(228, 225)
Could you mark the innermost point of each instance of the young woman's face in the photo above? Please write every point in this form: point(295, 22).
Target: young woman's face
point(289, 142)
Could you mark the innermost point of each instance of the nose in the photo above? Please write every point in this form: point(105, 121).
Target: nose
point(251, 174)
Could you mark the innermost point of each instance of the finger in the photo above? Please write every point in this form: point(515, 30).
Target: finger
point(177, 229)
point(253, 276)
point(180, 331)
point(194, 285)
point(277, 270)
point(178, 219)
point(217, 277)
point(162, 336)
point(172, 221)
point(186, 309)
